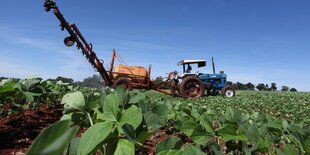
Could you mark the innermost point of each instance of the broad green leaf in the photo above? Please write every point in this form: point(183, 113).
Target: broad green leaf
point(122, 94)
point(6, 86)
point(73, 146)
point(200, 136)
point(253, 134)
point(137, 98)
point(73, 102)
point(143, 136)
point(275, 125)
point(188, 126)
point(132, 116)
point(111, 108)
point(28, 96)
point(192, 150)
point(124, 147)
point(171, 152)
point(94, 136)
point(156, 117)
point(230, 132)
point(306, 145)
point(54, 139)
point(172, 143)
point(129, 132)
point(288, 150)
point(30, 83)
point(285, 124)
point(205, 122)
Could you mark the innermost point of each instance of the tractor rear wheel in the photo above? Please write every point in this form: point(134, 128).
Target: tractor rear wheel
point(192, 87)
point(126, 83)
point(228, 91)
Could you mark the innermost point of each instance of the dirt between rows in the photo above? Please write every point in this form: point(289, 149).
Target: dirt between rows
point(18, 131)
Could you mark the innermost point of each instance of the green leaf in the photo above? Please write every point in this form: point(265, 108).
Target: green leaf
point(6, 86)
point(156, 117)
point(122, 94)
point(73, 102)
point(94, 136)
point(288, 149)
point(74, 145)
point(28, 96)
point(137, 98)
point(205, 122)
point(192, 150)
point(30, 83)
point(132, 116)
point(200, 136)
point(188, 126)
point(54, 139)
point(306, 145)
point(143, 136)
point(124, 147)
point(111, 108)
point(253, 134)
point(172, 143)
point(275, 126)
point(129, 132)
point(171, 152)
point(230, 132)
point(285, 124)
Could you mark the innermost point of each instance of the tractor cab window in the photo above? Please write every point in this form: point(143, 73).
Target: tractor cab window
point(189, 68)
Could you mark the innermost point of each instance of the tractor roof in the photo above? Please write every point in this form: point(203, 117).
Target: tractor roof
point(201, 63)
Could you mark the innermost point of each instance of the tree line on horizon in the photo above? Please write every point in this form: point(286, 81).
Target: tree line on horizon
point(259, 87)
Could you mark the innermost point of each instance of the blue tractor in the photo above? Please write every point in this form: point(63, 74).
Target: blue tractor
point(194, 84)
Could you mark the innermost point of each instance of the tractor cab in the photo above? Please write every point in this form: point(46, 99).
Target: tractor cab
point(187, 66)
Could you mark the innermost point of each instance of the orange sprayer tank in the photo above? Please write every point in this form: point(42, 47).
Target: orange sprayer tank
point(134, 72)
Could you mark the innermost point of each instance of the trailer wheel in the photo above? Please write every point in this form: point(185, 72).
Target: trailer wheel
point(228, 91)
point(192, 87)
point(122, 82)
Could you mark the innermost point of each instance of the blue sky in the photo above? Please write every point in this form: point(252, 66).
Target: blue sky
point(251, 40)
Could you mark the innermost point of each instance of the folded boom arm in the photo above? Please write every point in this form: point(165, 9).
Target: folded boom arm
point(76, 36)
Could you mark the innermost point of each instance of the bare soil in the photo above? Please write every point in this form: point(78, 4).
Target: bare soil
point(18, 131)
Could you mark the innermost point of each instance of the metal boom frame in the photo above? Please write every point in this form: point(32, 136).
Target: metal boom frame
point(76, 36)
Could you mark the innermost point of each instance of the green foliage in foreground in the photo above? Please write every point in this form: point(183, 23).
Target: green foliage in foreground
point(119, 122)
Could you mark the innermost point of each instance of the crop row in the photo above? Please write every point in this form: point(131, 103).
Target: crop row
point(122, 122)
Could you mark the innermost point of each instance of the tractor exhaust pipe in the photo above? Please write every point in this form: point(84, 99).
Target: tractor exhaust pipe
point(213, 66)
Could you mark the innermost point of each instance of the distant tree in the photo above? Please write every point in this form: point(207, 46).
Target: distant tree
point(285, 88)
point(273, 86)
point(1, 78)
point(229, 83)
point(250, 86)
point(267, 87)
point(293, 90)
point(239, 86)
point(64, 79)
point(94, 82)
point(261, 87)
point(158, 80)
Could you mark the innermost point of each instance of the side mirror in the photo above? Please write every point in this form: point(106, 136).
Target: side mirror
point(69, 41)
point(221, 72)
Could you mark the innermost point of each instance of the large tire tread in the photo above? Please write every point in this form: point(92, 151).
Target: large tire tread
point(199, 91)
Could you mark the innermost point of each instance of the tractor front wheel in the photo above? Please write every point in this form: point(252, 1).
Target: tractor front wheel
point(192, 87)
point(228, 91)
point(126, 83)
